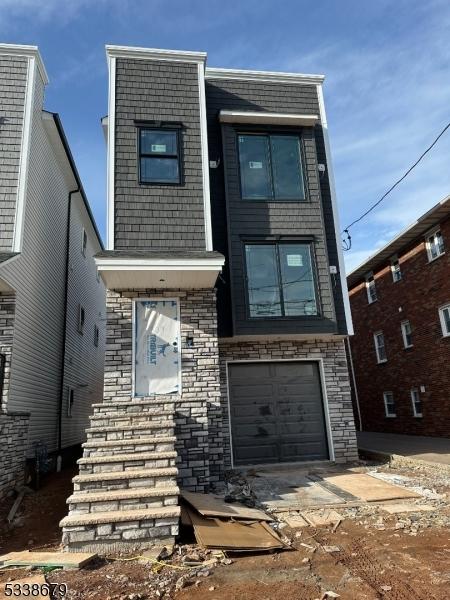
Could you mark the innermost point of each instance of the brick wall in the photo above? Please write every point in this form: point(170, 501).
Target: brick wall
point(425, 286)
point(198, 406)
point(336, 377)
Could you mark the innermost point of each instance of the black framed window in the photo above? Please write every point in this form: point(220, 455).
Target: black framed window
point(271, 167)
point(159, 156)
point(280, 280)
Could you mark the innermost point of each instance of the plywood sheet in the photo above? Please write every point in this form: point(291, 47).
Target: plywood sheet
point(369, 488)
point(212, 506)
point(68, 560)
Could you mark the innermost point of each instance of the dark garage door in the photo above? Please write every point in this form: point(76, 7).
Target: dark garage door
point(276, 412)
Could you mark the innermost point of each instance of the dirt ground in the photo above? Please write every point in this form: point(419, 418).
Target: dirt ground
point(394, 557)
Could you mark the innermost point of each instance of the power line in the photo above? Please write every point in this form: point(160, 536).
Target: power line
point(348, 242)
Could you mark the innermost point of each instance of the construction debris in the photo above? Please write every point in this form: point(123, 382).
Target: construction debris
point(209, 505)
point(369, 488)
point(295, 520)
point(66, 560)
point(322, 517)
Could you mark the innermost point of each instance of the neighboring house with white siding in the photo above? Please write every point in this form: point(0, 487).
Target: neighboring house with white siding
point(52, 365)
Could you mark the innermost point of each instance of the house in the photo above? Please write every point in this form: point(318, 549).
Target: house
point(400, 299)
point(52, 305)
point(226, 301)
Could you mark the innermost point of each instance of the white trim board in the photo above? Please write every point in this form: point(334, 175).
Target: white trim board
point(268, 118)
point(110, 153)
point(29, 52)
point(159, 264)
point(267, 76)
point(337, 225)
point(323, 386)
point(205, 157)
point(155, 54)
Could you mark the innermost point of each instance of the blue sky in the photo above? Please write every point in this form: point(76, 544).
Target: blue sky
point(387, 89)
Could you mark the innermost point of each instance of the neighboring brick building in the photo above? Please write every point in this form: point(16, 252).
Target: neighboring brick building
point(400, 300)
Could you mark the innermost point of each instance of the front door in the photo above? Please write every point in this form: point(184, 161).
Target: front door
point(157, 361)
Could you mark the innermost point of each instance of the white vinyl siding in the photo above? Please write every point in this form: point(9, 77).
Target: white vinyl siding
point(444, 317)
point(389, 404)
point(380, 347)
point(406, 334)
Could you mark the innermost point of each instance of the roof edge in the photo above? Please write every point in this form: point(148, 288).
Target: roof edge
point(275, 76)
point(155, 54)
point(28, 51)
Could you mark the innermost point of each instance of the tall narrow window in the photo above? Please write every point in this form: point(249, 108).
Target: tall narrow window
point(81, 319)
point(70, 401)
point(380, 347)
point(96, 335)
point(396, 270)
point(435, 245)
point(416, 402)
point(444, 316)
point(371, 288)
point(406, 334)
point(280, 280)
point(159, 156)
point(389, 404)
point(271, 167)
point(83, 242)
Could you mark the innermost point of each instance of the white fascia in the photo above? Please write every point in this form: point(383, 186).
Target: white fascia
point(337, 226)
point(155, 54)
point(267, 118)
point(24, 154)
point(268, 76)
point(29, 52)
point(205, 157)
point(158, 264)
point(110, 153)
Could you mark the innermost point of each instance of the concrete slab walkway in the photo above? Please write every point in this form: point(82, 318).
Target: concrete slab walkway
point(428, 449)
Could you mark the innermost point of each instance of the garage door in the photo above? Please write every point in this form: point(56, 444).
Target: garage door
point(276, 412)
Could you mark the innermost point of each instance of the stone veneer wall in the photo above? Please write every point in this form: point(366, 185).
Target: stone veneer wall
point(13, 426)
point(337, 385)
point(197, 409)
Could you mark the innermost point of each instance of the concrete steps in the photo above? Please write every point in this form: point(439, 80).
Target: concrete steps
point(126, 462)
point(151, 406)
point(131, 499)
point(117, 418)
point(126, 446)
point(121, 432)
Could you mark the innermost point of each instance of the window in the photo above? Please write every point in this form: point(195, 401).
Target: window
point(444, 315)
point(159, 156)
point(416, 402)
point(435, 245)
point(96, 335)
point(380, 347)
point(81, 319)
point(83, 242)
point(371, 288)
point(280, 280)
point(406, 334)
point(396, 270)
point(389, 404)
point(70, 401)
point(271, 167)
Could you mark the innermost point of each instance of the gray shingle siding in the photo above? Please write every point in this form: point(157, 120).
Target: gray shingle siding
point(313, 217)
point(13, 77)
point(157, 216)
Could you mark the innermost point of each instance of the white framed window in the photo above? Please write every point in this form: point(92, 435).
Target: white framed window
point(434, 243)
point(444, 316)
point(96, 335)
point(416, 402)
point(371, 288)
point(380, 347)
point(406, 334)
point(81, 319)
point(70, 401)
point(83, 242)
point(395, 269)
point(389, 404)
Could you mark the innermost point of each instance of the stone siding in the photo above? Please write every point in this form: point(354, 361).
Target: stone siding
point(13, 439)
point(7, 310)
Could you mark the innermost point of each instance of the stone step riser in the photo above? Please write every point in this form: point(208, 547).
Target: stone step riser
point(129, 434)
point(128, 449)
point(130, 419)
point(124, 484)
point(133, 409)
point(117, 467)
point(84, 508)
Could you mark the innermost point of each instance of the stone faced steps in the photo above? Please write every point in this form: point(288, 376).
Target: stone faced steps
point(116, 419)
point(150, 406)
point(106, 531)
point(127, 446)
point(126, 462)
point(132, 499)
point(123, 480)
point(122, 432)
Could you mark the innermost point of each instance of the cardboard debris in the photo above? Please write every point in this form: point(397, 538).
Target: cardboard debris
point(66, 560)
point(295, 521)
point(322, 517)
point(236, 536)
point(331, 549)
point(29, 581)
point(212, 506)
point(369, 488)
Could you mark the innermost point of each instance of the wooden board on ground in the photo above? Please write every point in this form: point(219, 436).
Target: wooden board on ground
point(321, 517)
point(67, 560)
point(25, 587)
point(236, 536)
point(394, 509)
point(295, 521)
point(369, 488)
point(212, 506)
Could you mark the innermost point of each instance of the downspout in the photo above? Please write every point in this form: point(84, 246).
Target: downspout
point(64, 343)
point(350, 357)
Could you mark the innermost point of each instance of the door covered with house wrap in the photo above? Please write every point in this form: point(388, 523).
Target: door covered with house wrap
point(157, 361)
point(276, 412)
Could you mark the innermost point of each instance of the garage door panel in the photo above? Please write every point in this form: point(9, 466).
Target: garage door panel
point(243, 392)
point(252, 430)
point(257, 409)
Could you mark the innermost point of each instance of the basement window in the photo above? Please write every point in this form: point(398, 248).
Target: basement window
point(444, 315)
point(380, 347)
point(416, 402)
point(389, 404)
point(435, 245)
point(159, 156)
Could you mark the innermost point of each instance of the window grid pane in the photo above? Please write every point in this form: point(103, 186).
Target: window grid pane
point(262, 280)
point(380, 347)
point(254, 162)
point(407, 334)
point(159, 159)
point(389, 404)
point(299, 297)
point(286, 167)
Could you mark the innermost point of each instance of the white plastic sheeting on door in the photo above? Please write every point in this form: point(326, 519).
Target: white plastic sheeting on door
point(157, 347)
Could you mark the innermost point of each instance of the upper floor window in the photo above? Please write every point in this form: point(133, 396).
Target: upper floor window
point(380, 347)
point(406, 334)
point(280, 280)
point(83, 242)
point(371, 288)
point(435, 245)
point(389, 404)
point(396, 270)
point(159, 156)
point(271, 167)
point(416, 402)
point(444, 315)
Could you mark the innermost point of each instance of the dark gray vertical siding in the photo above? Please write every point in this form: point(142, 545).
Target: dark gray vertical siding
point(313, 217)
point(157, 216)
